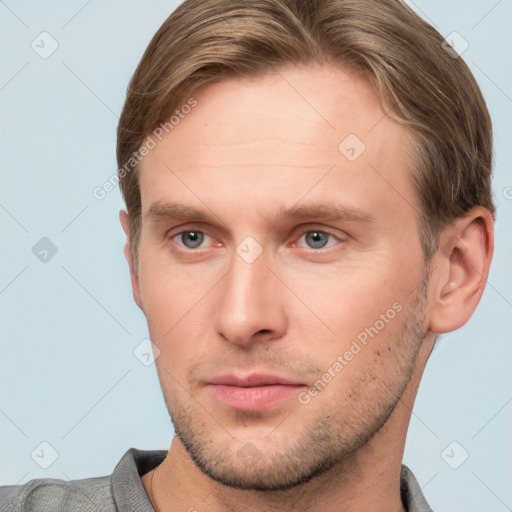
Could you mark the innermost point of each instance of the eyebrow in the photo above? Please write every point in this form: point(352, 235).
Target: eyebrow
point(166, 211)
point(333, 212)
point(163, 211)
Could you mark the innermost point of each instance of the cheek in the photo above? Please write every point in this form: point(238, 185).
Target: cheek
point(167, 295)
point(348, 300)
point(175, 310)
point(180, 351)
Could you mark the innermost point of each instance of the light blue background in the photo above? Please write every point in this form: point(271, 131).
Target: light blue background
point(68, 374)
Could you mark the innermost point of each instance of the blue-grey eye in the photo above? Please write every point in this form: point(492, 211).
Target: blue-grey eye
point(192, 239)
point(317, 239)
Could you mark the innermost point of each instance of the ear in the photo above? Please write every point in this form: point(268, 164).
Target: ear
point(125, 223)
point(461, 268)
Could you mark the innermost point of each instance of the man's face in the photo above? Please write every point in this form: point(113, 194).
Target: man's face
point(304, 253)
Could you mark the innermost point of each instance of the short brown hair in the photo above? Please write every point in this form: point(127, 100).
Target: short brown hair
point(420, 83)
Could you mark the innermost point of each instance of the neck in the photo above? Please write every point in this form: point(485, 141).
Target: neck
point(178, 485)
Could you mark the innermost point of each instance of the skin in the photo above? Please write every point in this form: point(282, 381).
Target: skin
point(250, 150)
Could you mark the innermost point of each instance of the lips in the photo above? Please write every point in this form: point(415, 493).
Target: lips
point(254, 379)
point(254, 392)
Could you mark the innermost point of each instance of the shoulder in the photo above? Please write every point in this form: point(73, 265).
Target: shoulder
point(52, 495)
point(412, 495)
point(121, 490)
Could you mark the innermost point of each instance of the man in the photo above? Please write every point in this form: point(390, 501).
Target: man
point(308, 206)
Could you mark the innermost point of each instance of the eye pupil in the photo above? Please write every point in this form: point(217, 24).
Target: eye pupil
point(192, 239)
point(316, 239)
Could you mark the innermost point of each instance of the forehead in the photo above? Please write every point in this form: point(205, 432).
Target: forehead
point(300, 131)
point(292, 105)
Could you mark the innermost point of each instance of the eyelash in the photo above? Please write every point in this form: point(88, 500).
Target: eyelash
point(301, 234)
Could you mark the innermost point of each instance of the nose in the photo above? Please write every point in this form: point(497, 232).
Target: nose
point(250, 305)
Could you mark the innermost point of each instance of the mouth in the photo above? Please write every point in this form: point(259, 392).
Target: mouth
point(254, 392)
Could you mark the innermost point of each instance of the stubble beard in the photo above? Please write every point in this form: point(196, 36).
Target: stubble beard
point(281, 462)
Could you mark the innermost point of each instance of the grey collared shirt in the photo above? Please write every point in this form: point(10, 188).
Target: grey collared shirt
point(123, 490)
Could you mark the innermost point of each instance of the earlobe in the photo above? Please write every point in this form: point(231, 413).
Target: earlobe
point(461, 270)
point(125, 223)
